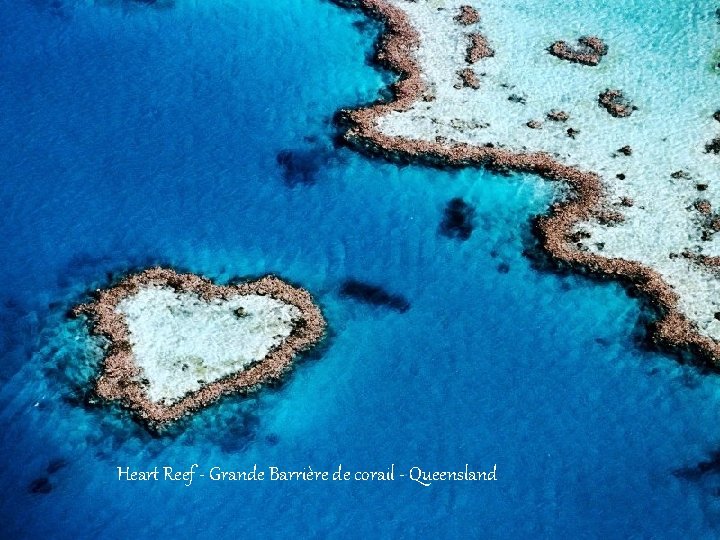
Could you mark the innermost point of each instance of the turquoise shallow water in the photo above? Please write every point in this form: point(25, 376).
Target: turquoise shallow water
point(134, 135)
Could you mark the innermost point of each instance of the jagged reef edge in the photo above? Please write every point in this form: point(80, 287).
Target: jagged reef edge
point(396, 49)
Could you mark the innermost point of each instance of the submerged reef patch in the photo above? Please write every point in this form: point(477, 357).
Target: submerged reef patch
point(40, 486)
point(374, 295)
point(302, 166)
point(457, 219)
point(138, 4)
point(709, 466)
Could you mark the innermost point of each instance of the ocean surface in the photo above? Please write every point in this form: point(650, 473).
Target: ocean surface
point(200, 135)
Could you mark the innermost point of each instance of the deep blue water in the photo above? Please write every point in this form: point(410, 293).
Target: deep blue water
point(200, 135)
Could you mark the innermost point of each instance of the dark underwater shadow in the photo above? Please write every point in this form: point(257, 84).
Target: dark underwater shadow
point(373, 295)
point(305, 164)
point(19, 329)
point(458, 219)
point(705, 476)
point(133, 5)
point(60, 9)
point(63, 9)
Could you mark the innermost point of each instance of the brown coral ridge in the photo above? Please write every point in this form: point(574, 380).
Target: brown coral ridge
point(616, 103)
point(468, 15)
point(119, 378)
point(589, 51)
point(585, 202)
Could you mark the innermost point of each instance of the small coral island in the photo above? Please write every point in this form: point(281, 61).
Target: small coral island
point(177, 342)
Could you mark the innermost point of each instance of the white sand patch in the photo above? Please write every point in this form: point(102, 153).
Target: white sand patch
point(181, 342)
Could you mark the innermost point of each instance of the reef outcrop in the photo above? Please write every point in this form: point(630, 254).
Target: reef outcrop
point(589, 51)
point(469, 78)
point(478, 49)
point(615, 102)
point(163, 327)
point(468, 15)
